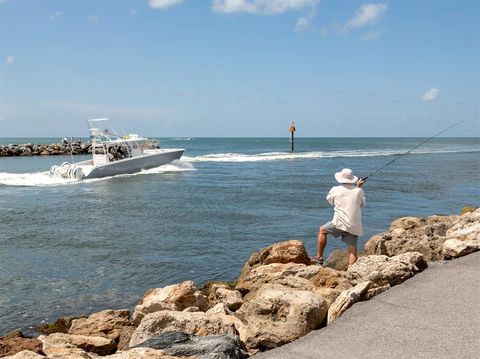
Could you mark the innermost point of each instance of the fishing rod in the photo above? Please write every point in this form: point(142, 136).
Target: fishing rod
point(410, 150)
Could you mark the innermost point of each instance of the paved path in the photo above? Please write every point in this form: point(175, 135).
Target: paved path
point(436, 314)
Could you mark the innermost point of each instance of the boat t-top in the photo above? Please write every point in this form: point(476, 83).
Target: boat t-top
point(113, 154)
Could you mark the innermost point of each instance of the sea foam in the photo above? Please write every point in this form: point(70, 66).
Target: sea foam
point(277, 156)
point(44, 179)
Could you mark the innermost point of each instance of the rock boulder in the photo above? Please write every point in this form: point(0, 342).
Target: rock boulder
point(292, 251)
point(222, 293)
point(11, 346)
point(173, 297)
point(346, 300)
point(467, 228)
point(25, 354)
point(411, 234)
point(279, 314)
point(289, 274)
point(107, 323)
point(195, 323)
point(383, 270)
point(454, 248)
point(60, 343)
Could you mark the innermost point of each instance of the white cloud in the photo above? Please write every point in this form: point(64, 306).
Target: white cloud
point(55, 15)
point(163, 4)
point(93, 18)
point(370, 36)
point(368, 14)
point(9, 60)
point(262, 7)
point(302, 23)
point(431, 94)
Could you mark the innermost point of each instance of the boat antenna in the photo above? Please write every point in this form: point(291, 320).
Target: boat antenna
point(410, 150)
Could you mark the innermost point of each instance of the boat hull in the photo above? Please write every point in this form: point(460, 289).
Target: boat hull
point(135, 164)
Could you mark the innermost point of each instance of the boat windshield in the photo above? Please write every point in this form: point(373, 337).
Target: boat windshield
point(101, 131)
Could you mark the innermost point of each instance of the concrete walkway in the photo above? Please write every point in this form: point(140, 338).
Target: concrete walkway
point(436, 314)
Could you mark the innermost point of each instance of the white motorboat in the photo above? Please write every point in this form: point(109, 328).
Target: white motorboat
point(113, 154)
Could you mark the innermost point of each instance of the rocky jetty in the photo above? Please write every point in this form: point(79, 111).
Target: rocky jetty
point(279, 297)
point(53, 149)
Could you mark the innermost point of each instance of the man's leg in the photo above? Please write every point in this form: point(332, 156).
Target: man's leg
point(352, 255)
point(321, 241)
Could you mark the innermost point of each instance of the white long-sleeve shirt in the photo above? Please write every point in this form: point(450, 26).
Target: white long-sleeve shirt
point(347, 201)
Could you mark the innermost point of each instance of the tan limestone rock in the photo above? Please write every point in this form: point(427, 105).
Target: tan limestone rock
point(411, 234)
point(107, 323)
point(278, 315)
point(173, 297)
point(219, 308)
point(292, 251)
point(454, 248)
point(25, 354)
point(290, 274)
point(346, 300)
point(467, 227)
point(331, 278)
point(13, 345)
point(372, 292)
point(59, 343)
point(222, 293)
point(383, 270)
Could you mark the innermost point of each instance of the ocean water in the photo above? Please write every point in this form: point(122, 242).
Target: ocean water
point(69, 248)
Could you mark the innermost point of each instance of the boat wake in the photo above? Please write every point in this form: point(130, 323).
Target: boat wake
point(44, 179)
point(276, 156)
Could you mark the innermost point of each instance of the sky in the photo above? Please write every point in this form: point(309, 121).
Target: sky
point(234, 68)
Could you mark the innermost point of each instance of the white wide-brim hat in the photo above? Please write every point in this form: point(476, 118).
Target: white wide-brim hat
point(346, 176)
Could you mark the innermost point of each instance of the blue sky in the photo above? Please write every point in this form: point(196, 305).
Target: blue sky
point(240, 67)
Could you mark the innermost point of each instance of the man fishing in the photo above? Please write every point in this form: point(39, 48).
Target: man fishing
point(347, 200)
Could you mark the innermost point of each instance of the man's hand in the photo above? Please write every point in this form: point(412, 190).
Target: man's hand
point(360, 182)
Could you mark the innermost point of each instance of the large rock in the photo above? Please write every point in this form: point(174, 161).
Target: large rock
point(291, 275)
point(222, 293)
point(173, 297)
point(338, 259)
point(454, 248)
point(411, 234)
point(196, 323)
point(383, 270)
point(279, 314)
point(225, 346)
point(61, 325)
point(467, 227)
point(11, 346)
point(107, 323)
point(331, 278)
point(292, 251)
point(346, 300)
point(25, 354)
point(59, 343)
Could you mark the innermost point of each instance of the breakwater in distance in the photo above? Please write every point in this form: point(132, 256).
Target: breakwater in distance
point(64, 148)
point(52, 149)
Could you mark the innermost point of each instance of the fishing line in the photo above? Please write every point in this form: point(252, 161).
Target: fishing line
point(410, 150)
